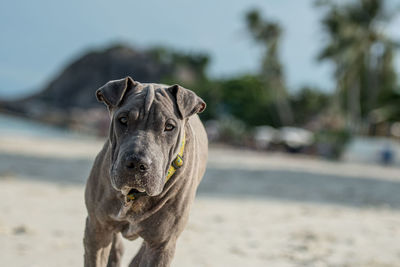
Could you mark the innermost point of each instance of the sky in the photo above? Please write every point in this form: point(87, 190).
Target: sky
point(39, 38)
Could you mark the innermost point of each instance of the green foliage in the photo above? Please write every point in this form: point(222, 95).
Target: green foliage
point(247, 99)
point(362, 54)
point(244, 98)
point(268, 33)
point(308, 103)
point(196, 62)
point(210, 92)
point(390, 106)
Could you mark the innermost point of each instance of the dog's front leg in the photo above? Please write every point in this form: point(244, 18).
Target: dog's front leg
point(154, 255)
point(117, 250)
point(97, 243)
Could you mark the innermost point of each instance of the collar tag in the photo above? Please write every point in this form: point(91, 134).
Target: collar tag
point(178, 162)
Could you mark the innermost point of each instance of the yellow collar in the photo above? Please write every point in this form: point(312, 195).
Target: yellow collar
point(178, 161)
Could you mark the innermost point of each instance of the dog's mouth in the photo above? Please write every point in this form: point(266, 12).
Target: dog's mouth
point(134, 194)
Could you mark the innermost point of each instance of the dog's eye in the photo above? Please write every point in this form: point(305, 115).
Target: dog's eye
point(123, 120)
point(169, 127)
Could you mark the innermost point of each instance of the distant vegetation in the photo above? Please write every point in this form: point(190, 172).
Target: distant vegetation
point(363, 54)
point(367, 93)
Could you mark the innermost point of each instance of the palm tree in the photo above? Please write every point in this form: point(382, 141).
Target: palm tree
point(362, 54)
point(268, 34)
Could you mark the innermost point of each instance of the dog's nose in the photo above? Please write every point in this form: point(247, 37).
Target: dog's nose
point(137, 164)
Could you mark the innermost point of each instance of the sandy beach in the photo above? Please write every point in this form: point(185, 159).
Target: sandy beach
point(252, 208)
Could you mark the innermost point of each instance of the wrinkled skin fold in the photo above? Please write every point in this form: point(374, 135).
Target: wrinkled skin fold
point(148, 122)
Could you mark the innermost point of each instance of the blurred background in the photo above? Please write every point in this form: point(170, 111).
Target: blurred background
point(303, 118)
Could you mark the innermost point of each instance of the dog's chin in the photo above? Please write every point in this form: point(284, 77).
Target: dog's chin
point(154, 186)
point(154, 193)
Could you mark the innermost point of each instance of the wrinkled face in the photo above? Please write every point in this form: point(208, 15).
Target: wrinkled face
point(145, 136)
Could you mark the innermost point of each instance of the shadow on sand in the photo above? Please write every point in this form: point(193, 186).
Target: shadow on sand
point(281, 185)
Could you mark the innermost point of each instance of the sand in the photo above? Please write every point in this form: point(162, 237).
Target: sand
point(252, 209)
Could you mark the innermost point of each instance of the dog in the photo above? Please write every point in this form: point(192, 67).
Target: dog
point(144, 179)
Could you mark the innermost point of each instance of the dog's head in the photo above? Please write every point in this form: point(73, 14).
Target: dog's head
point(146, 130)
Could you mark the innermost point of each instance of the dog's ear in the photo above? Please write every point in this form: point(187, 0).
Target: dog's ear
point(113, 92)
point(187, 101)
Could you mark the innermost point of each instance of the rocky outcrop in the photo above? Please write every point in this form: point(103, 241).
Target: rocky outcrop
point(75, 86)
point(69, 99)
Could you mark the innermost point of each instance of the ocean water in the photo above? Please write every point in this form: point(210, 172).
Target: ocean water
point(19, 126)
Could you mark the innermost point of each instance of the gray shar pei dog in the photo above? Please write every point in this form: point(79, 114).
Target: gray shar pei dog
point(144, 179)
